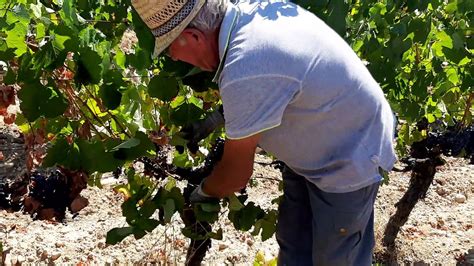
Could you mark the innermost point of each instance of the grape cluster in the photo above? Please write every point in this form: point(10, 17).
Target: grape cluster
point(156, 167)
point(451, 142)
point(4, 195)
point(51, 190)
point(195, 176)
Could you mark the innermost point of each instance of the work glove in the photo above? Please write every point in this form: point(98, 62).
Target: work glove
point(199, 196)
point(199, 130)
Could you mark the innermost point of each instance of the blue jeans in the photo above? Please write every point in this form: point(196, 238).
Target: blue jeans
point(320, 228)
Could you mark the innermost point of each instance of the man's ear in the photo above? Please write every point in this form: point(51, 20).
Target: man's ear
point(193, 35)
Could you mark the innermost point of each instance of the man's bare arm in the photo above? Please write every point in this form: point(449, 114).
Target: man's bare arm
point(235, 168)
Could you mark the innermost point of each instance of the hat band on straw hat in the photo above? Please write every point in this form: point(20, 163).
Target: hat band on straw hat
point(175, 20)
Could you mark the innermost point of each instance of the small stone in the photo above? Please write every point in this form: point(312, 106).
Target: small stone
point(20, 259)
point(44, 255)
point(222, 247)
point(459, 198)
point(59, 244)
point(9, 259)
point(101, 245)
point(31, 259)
point(250, 242)
point(441, 181)
point(425, 229)
point(78, 204)
point(55, 256)
point(442, 191)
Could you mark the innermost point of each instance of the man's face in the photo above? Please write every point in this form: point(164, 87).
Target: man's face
point(196, 48)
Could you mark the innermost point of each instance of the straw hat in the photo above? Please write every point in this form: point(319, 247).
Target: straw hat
point(166, 18)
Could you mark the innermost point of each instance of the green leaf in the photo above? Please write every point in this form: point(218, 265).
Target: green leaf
point(89, 68)
point(337, 16)
point(38, 100)
point(138, 233)
point(215, 235)
point(111, 96)
point(64, 154)
point(48, 57)
point(163, 88)
point(267, 225)
point(169, 208)
point(130, 210)
point(141, 60)
point(443, 40)
point(245, 218)
point(16, 38)
point(90, 151)
point(234, 203)
point(146, 40)
point(116, 235)
point(131, 149)
point(421, 28)
point(207, 212)
point(186, 113)
point(69, 13)
point(148, 208)
point(147, 225)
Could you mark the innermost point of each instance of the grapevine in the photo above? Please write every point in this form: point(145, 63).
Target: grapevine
point(87, 88)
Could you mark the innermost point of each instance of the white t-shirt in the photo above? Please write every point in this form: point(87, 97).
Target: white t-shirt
point(287, 75)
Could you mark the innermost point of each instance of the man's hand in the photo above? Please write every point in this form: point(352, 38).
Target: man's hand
point(198, 195)
point(199, 130)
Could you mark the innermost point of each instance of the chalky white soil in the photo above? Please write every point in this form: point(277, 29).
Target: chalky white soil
point(439, 230)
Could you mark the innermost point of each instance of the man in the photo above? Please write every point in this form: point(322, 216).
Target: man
point(291, 85)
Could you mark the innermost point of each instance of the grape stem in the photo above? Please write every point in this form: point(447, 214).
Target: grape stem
point(467, 109)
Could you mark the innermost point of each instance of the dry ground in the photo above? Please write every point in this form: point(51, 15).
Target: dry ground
point(439, 230)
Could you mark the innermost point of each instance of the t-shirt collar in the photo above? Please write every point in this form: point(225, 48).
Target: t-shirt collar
point(227, 25)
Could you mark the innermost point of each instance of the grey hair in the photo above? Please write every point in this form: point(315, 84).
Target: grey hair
point(209, 18)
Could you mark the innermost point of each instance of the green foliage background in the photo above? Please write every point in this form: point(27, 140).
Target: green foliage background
point(69, 59)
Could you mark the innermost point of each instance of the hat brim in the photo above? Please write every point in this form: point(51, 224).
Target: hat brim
point(162, 42)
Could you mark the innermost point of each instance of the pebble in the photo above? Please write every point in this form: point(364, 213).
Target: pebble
point(59, 245)
point(440, 180)
point(442, 191)
point(250, 242)
point(222, 247)
point(55, 256)
point(44, 255)
point(8, 258)
point(459, 198)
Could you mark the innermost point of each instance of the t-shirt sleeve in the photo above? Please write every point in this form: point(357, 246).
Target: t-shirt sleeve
point(255, 104)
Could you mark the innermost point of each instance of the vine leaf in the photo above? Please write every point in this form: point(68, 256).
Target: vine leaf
point(89, 69)
point(116, 235)
point(163, 88)
point(234, 203)
point(38, 100)
point(186, 113)
point(90, 151)
point(16, 38)
point(267, 225)
point(146, 40)
point(169, 209)
point(207, 212)
point(134, 148)
point(64, 154)
point(69, 13)
point(246, 217)
point(111, 96)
